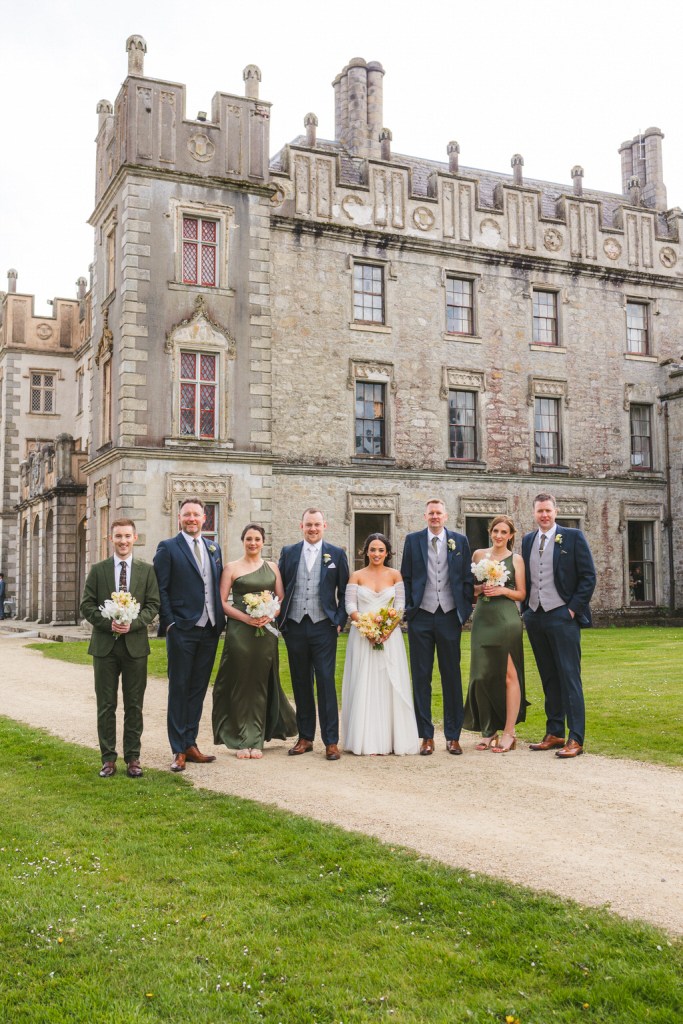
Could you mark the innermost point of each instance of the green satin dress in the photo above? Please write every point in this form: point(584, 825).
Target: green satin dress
point(249, 705)
point(496, 633)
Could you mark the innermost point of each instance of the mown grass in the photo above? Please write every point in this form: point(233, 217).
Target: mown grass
point(152, 901)
point(632, 681)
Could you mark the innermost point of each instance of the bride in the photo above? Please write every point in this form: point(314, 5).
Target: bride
point(377, 702)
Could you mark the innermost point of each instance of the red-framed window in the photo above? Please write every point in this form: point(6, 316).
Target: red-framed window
point(198, 394)
point(200, 251)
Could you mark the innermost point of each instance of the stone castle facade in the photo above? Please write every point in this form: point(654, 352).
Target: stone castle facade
point(348, 327)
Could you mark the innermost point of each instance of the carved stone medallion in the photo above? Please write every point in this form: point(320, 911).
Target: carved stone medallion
point(201, 147)
point(552, 240)
point(612, 248)
point(668, 257)
point(423, 218)
point(44, 331)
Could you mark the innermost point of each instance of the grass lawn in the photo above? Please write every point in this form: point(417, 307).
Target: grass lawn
point(632, 682)
point(153, 901)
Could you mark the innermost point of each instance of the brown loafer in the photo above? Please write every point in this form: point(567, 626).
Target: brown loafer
point(548, 742)
point(178, 763)
point(301, 746)
point(570, 749)
point(427, 747)
point(195, 755)
point(108, 769)
point(453, 747)
point(332, 752)
point(134, 771)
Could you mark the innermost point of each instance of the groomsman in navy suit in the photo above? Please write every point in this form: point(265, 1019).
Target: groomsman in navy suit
point(191, 617)
point(314, 574)
point(437, 572)
point(561, 581)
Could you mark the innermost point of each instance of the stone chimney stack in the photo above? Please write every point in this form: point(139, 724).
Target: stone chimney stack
point(641, 158)
point(252, 77)
point(577, 179)
point(137, 48)
point(310, 124)
point(453, 150)
point(82, 287)
point(358, 107)
point(517, 163)
point(104, 110)
point(385, 138)
point(12, 276)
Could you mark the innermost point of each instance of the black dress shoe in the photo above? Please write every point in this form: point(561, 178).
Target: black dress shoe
point(108, 769)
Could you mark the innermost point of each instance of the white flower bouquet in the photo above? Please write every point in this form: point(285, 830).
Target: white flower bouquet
point(490, 571)
point(260, 605)
point(121, 607)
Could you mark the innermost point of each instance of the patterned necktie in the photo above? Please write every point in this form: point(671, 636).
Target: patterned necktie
point(542, 545)
point(198, 557)
point(435, 545)
point(123, 578)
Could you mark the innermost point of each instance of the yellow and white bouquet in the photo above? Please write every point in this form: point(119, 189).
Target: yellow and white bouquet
point(121, 608)
point(377, 626)
point(260, 605)
point(490, 571)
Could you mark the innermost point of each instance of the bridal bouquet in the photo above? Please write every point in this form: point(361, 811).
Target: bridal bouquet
point(259, 605)
point(377, 626)
point(121, 608)
point(490, 571)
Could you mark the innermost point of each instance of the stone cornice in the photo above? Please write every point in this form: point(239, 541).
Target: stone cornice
point(175, 455)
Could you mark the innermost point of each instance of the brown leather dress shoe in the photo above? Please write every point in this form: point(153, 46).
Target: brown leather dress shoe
point(548, 742)
point(178, 763)
point(301, 746)
point(453, 747)
point(134, 771)
point(108, 769)
point(570, 749)
point(427, 747)
point(332, 752)
point(195, 755)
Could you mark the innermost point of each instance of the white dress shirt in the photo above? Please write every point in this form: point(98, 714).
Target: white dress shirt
point(311, 552)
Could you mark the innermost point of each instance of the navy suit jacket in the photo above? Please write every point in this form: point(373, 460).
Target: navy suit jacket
point(334, 575)
point(414, 571)
point(181, 587)
point(573, 570)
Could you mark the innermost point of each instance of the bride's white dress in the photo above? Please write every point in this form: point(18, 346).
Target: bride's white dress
point(377, 702)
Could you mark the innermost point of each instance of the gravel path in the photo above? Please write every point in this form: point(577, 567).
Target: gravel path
point(597, 830)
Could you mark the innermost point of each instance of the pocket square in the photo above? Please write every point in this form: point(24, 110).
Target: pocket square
point(331, 565)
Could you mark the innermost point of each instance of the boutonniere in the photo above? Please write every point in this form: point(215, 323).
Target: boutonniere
point(327, 558)
point(451, 544)
point(212, 549)
point(558, 538)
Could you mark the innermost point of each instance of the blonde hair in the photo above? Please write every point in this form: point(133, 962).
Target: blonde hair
point(511, 526)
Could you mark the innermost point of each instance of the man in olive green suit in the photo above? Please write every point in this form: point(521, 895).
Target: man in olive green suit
point(120, 649)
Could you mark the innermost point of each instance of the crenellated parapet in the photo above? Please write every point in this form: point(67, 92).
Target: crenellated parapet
point(149, 127)
point(22, 330)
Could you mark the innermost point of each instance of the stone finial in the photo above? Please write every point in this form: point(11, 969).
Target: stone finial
point(633, 189)
point(453, 150)
point(81, 287)
point(252, 77)
point(310, 124)
point(12, 276)
point(577, 179)
point(385, 138)
point(104, 109)
point(517, 163)
point(137, 48)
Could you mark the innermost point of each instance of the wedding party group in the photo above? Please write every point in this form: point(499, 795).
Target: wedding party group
point(308, 596)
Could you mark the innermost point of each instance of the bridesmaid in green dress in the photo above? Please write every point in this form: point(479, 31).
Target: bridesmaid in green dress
point(249, 706)
point(495, 699)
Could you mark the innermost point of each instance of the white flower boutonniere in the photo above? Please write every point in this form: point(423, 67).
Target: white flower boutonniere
point(451, 544)
point(212, 549)
point(558, 538)
point(327, 558)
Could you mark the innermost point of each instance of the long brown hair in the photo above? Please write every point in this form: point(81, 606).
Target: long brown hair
point(511, 526)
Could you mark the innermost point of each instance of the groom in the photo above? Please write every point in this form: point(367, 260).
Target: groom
point(437, 573)
point(192, 619)
point(314, 575)
point(561, 580)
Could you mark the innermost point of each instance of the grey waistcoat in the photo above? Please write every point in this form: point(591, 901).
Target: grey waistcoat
point(306, 596)
point(438, 591)
point(542, 590)
point(209, 613)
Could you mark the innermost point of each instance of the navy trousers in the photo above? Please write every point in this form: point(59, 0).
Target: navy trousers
point(555, 639)
point(427, 632)
point(312, 655)
point(191, 654)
